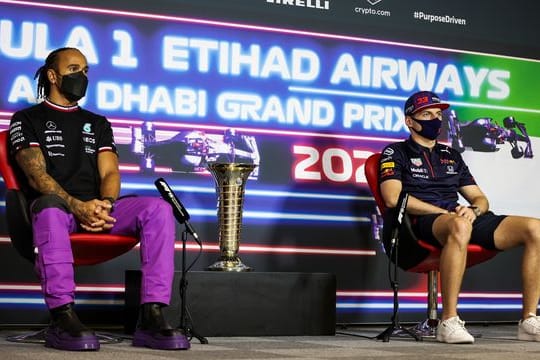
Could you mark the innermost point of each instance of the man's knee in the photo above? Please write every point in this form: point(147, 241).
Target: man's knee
point(532, 231)
point(459, 230)
point(159, 205)
point(49, 201)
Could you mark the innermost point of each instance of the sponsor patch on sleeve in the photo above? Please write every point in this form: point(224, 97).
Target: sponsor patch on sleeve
point(387, 172)
point(387, 165)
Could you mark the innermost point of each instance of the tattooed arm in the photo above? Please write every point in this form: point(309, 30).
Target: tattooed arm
point(32, 163)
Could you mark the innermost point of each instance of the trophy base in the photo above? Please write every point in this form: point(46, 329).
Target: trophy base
point(233, 265)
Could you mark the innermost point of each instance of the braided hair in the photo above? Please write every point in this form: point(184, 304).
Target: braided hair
point(43, 85)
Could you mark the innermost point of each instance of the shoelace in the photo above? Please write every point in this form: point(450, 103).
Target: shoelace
point(458, 323)
point(535, 324)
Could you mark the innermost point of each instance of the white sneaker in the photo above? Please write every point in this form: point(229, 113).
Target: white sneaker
point(452, 331)
point(529, 329)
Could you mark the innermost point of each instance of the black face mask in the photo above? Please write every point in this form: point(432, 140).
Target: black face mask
point(430, 128)
point(74, 86)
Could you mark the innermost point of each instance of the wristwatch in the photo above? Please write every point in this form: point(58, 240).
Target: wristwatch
point(111, 200)
point(476, 210)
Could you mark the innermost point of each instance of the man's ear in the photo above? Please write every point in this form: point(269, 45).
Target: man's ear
point(408, 121)
point(51, 75)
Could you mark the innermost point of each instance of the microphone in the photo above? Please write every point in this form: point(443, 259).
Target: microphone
point(179, 211)
point(402, 203)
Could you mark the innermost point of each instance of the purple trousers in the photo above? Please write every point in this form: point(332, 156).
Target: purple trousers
point(148, 218)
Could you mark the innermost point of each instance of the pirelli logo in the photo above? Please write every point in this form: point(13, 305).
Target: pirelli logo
point(387, 165)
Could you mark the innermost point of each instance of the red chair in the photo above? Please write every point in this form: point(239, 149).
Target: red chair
point(427, 260)
point(88, 248)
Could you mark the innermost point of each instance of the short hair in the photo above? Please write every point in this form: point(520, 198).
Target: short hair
point(51, 62)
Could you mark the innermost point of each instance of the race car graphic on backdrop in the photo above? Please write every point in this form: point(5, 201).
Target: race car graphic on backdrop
point(486, 135)
point(191, 150)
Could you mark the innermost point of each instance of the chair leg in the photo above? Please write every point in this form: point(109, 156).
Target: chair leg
point(38, 337)
point(432, 292)
point(428, 327)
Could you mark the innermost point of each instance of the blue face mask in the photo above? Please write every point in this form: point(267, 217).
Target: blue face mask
point(430, 128)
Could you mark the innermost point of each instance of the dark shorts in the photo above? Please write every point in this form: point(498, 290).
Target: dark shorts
point(483, 229)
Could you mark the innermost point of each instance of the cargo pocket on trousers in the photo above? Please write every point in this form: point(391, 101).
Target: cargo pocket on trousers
point(56, 267)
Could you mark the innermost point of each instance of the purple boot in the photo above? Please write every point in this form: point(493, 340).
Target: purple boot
point(66, 332)
point(154, 332)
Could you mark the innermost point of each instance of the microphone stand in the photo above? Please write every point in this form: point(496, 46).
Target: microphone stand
point(188, 331)
point(395, 327)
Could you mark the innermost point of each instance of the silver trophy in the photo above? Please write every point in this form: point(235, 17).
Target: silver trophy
point(230, 181)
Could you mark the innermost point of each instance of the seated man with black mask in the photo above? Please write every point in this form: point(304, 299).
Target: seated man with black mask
point(433, 174)
point(70, 161)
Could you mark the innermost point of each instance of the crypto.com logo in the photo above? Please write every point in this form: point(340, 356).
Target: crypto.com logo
point(373, 2)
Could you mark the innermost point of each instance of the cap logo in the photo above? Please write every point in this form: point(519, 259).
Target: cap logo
point(422, 100)
point(409, 109)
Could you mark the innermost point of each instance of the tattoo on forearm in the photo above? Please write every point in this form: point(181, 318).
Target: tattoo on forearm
point(33, 164)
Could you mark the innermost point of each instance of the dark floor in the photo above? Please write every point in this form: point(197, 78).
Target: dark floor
point(495, 341)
